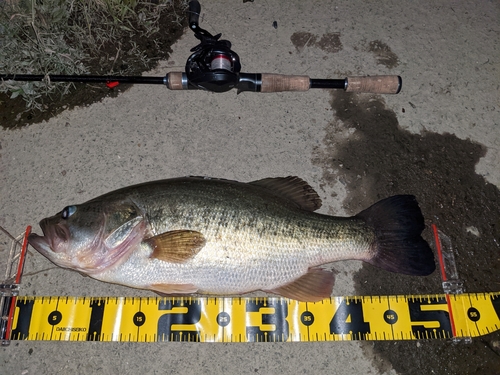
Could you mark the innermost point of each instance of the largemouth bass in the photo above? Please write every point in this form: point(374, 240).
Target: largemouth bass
point(213, 236)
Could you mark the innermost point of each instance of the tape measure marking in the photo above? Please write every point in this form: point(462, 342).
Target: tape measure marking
point(198, 319)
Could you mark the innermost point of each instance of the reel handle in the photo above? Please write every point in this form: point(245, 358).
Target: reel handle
point(194, 14)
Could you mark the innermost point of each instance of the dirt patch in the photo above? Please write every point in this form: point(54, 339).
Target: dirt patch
point(301, 39)
point(378, 159)
point(329, 42)
point(111, 58)
point(383, 54)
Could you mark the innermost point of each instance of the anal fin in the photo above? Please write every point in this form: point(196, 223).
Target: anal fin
point(169, 289)
point(315, 285)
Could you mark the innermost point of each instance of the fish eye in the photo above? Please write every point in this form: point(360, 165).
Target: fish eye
point(68, 211)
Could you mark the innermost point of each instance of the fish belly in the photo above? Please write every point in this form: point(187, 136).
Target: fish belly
point(244, 258)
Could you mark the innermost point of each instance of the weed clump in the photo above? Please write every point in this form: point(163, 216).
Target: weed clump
point(108, 37)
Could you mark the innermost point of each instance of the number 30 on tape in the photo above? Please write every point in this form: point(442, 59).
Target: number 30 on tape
point(255, 319)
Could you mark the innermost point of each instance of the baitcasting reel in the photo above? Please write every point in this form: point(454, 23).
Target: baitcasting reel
point(213, 66)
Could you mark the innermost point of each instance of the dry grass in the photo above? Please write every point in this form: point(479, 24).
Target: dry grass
point(67, 37)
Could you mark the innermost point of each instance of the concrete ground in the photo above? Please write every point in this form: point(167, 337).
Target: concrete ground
point(446, 52)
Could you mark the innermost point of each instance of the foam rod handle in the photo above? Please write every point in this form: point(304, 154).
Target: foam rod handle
point(280, 82)
point(375, 84)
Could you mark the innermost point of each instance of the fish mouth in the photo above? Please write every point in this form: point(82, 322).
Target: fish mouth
point(40, 243)
point(55, 236)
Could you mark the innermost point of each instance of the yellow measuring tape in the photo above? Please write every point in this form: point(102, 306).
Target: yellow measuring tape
point(266, 319)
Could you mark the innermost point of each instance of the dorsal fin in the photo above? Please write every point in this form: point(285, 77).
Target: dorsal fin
point(294, 189)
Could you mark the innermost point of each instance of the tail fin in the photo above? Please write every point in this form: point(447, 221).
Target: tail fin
point(398, 222)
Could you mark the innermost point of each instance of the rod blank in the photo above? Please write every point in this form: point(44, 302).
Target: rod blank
point(84, 78)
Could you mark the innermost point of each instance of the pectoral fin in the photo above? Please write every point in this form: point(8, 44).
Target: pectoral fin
point(315, 285)
point(177, 246)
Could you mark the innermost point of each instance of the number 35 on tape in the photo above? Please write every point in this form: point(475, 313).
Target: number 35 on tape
point(255, 319)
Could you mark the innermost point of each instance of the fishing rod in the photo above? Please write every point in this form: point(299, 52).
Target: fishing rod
point(214, 67)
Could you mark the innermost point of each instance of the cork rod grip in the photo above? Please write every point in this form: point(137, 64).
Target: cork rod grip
point(174, 81)
point(375, 84)
point(280, 82)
